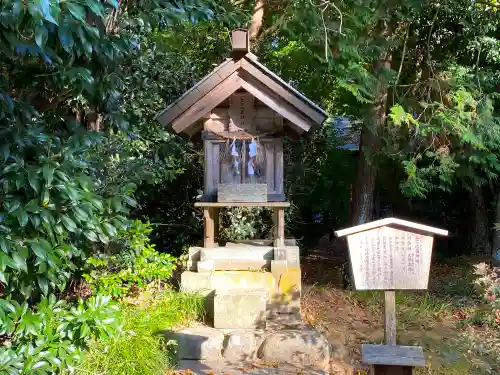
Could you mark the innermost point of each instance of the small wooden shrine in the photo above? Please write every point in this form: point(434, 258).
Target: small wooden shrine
point(243, 111)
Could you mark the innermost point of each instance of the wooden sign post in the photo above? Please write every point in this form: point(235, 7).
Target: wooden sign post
point(391, 254)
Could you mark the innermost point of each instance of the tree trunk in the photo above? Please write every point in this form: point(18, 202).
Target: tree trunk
point(257, 19)
point(495, 248)
point(479, 235)
point(375, 117)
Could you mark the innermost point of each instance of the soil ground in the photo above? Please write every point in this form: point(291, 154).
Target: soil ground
point(445, 320)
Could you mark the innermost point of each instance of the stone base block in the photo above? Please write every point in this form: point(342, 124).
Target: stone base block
point(289, 253)
point(233, 265)
point(301, 347)
point(240, 309)
point(242, 280)
point(195, 282)
point(199, 342)
point(239, 253)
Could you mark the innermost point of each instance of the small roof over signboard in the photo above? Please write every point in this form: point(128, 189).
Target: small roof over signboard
point(391, 221)
point(241, 72)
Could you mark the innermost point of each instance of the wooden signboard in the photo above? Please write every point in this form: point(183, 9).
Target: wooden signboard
point(388, 258)
point(391, 254)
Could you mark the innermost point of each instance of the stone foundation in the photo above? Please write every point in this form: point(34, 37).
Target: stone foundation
point(244, 283)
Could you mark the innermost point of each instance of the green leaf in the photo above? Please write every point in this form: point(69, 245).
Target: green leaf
point(104, 239)
point(68, 223)
point(66, 37)
point(80, 214)
point(22, 217)
point(110, 230)
point(91, 236)
point(45, 11)
point(41, 35)
point(4, 245)
point(96, 7)
point(19, 261)
point(45, 198)
point(131, 201)
point(48, 173)
point(34, 182)
point(39, 250)
point(76, 10)
point(43, 284)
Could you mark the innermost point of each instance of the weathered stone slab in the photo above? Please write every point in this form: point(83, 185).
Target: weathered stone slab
point(233, 265)
point(288, 242)
point(199, 342)
point(194, 254)
point(240, 309)
point(243, 253)
point(301, 347)
point(242, 345)
point(195, 282)
point(289, 253)
point(224, 280)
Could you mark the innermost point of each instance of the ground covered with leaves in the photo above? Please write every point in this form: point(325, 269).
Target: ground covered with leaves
point(454, 321)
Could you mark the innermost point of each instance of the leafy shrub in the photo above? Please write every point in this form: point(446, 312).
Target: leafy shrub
point(141, 347)
point(136, 263)
point(49, 338)
point(241, 223)
point(50, 211)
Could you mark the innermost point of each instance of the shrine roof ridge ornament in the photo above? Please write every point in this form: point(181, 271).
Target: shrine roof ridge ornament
point(242, 71)
point(391, 221)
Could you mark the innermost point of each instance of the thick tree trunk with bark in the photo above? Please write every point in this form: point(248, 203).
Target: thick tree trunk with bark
point(480, 229)
point(375, 117)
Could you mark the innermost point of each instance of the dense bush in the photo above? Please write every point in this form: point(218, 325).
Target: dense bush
point(50, 210)
point(134, 264)
point(50, 336)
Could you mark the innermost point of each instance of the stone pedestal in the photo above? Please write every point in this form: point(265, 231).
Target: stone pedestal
point(245, 283)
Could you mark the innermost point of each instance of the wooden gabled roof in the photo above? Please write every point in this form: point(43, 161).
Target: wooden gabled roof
point(243, 71)
point(390, 221)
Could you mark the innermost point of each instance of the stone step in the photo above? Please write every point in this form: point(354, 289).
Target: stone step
point(193, 367)
point(234, 265)
point(240, 308)
point(288, 242)
point(301, 347)
point(205, 282)
point(246, 252)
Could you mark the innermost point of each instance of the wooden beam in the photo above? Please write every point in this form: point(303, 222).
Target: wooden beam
point(262, 93)
point(208, 228)
point(398, 355)
point(281, 91)
point(207, 103)
point(201, 89)
point(242, 204)
point(279, 226)
point(390, 317)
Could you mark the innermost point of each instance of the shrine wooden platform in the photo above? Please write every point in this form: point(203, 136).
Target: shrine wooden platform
point(211, 212)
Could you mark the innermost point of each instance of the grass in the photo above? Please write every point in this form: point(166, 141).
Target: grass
point(140, 349)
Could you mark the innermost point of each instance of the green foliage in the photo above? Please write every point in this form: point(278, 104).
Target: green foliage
point(141, 347)
point(136, 265)
point(242, 223)
point(50, 337)
point(50, 211)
